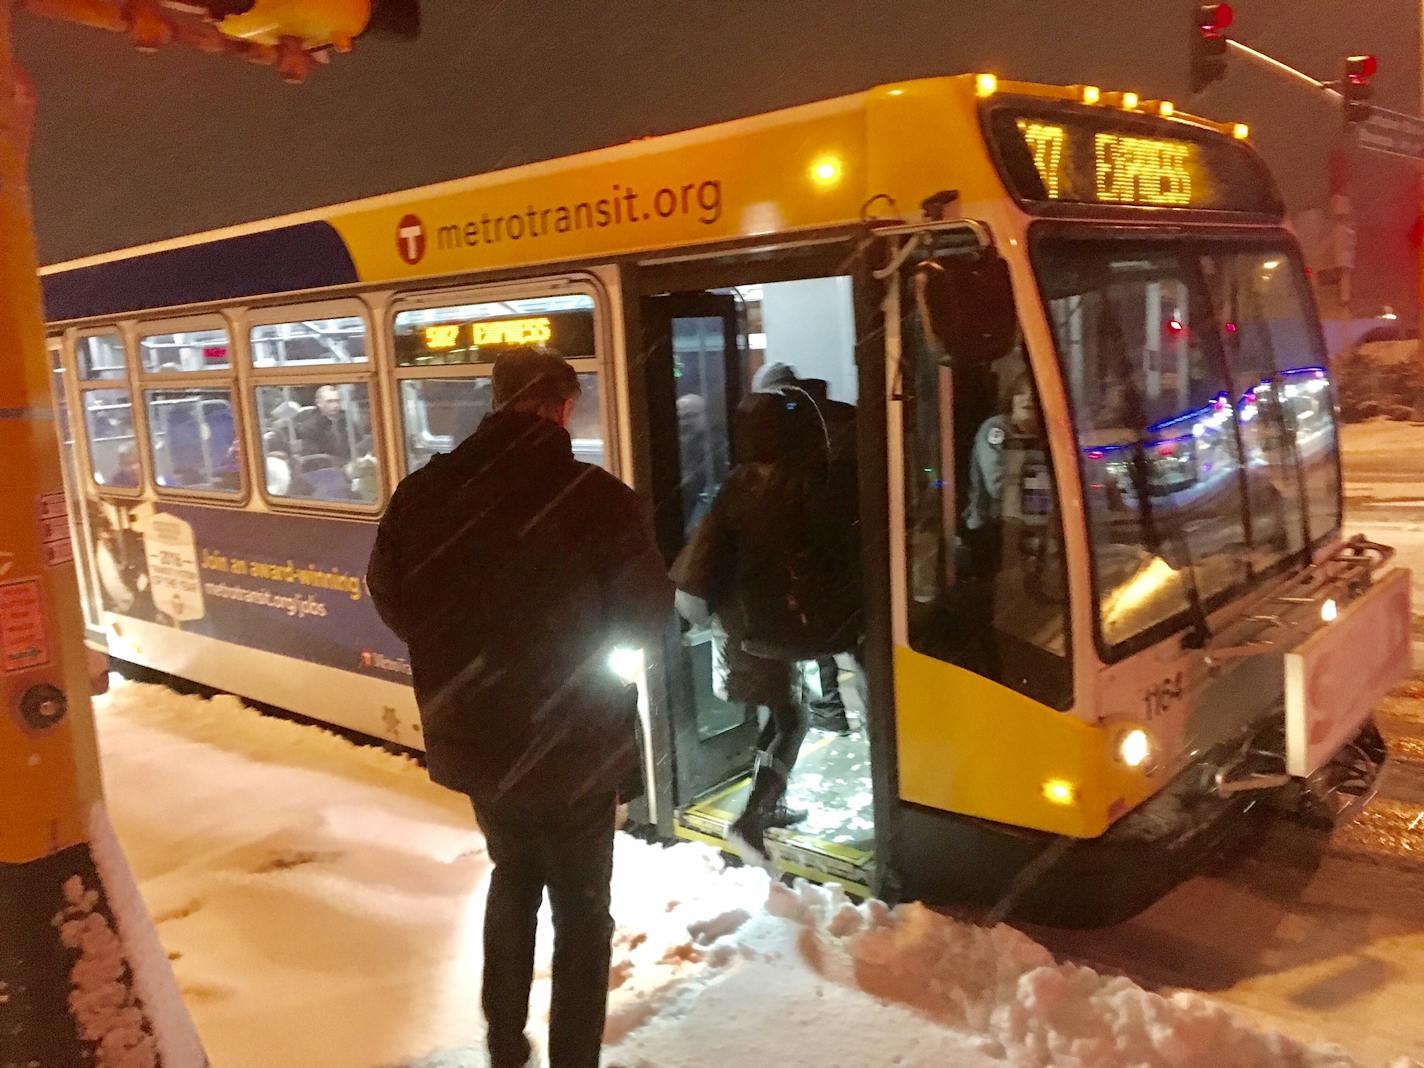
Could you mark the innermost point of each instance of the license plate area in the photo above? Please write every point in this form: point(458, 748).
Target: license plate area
point(1336, 677)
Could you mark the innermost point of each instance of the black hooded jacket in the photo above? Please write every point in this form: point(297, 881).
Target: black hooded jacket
point(512, 571)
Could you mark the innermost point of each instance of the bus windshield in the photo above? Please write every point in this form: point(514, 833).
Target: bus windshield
point(1204, 419)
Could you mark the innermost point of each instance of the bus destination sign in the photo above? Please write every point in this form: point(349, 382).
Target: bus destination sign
point(1084, 157)
point(459, 340)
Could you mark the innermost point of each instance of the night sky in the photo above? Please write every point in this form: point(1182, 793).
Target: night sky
point(133, 147)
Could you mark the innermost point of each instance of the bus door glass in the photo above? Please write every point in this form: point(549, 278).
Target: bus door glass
point(985, 571)
point(694, 375)
point(717, 445)
point(73, 487)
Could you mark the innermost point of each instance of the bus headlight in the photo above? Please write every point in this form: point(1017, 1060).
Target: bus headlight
point(626, 663)
point(1135, 748)
point(1329, 610)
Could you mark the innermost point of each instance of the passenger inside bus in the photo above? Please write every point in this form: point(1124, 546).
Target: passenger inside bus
point(318, 450)
point(126, 470)
point(790, 346)
point(774, 560)
point(324, 429)
point(703, 456)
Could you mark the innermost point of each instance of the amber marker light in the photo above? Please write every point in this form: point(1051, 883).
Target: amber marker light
point(1092, 94)
point(827, 170)
point(1129, 101)
point(1166, 108)
point(1060, 791)
point(1240, 131)
point(986, 84)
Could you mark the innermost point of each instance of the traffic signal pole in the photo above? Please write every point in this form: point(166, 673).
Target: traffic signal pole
point(84, 981)
point(1271, 63)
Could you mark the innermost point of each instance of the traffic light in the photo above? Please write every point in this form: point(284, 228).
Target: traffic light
point(1208, 58)
point(1355, 87)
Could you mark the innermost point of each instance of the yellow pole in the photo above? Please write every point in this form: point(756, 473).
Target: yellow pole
point(83, 979)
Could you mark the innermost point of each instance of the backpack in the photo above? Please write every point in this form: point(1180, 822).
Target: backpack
point(799, 597)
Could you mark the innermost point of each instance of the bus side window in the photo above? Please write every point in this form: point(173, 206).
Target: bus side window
point(314, 395)
point(193, 435)
point(440, 413)
point(317, 443)
point(462, 341)
point(113, 455)
point(107, 411)
point(986, 579)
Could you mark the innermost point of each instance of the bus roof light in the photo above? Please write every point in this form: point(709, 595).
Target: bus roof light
point(1240, 131)
point(1166, 108)
point(1129, 101)
point(1092, 94)
point(986, 84)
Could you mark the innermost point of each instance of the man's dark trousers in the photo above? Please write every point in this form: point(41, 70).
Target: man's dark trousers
point(569, 851)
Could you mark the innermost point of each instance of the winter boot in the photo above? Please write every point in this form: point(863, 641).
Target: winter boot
point(782, 815)
point(777, 812)
point(747, 834)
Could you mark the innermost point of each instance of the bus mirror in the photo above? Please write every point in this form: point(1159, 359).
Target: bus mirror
point(967, 302)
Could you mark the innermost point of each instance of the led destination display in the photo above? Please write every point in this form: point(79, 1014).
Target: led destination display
point(1080, 156)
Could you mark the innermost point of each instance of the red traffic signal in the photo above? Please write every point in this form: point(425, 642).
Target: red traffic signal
point(1359, 70)
point(1208, 45)
point(1355, 87)
point(1213, 21)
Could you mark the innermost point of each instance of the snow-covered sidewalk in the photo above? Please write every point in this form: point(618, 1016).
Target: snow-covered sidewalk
point(322, 905)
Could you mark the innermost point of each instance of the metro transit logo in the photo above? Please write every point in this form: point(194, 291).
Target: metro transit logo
point(410, 239)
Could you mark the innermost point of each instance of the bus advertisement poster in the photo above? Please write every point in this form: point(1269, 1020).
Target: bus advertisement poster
point(288, 584)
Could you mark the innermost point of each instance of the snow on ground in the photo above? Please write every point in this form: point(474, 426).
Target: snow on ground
point(1383, 465)
point(321, 904)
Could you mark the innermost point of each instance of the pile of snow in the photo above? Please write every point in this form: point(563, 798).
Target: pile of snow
point(1380, 378)
point(322, 906)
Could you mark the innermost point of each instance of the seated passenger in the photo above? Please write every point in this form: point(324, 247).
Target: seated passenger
point(127, 474)
point(325, 429)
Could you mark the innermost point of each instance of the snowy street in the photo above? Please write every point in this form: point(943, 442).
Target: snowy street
point(321, 904)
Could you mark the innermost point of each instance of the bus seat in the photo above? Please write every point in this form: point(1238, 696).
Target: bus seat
point(317, 461)
point(330, 484)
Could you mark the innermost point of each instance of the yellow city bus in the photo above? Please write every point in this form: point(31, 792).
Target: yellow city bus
point(1107, 601)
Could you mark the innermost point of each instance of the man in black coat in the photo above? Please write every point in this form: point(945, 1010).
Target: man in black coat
point(325, 429)
point(512, 572)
